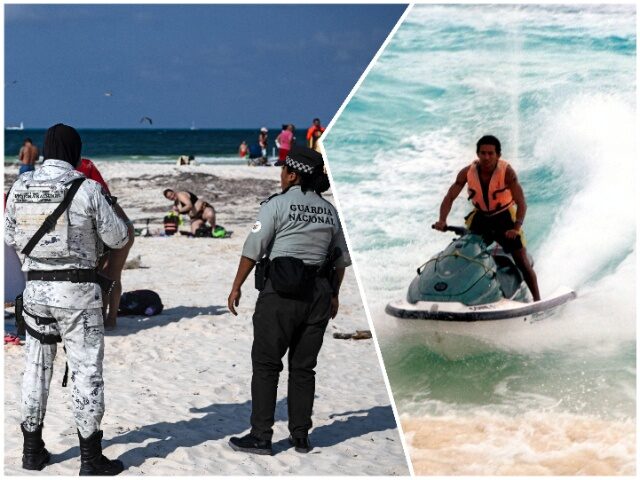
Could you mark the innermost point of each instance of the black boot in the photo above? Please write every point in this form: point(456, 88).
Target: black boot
point(92, 462)
point(34, 455)
point(251, 444)
point(301, 444)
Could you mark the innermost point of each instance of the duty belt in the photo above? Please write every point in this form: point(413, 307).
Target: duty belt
point(75, 276)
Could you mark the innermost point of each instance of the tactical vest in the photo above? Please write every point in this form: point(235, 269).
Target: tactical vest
point(34, 201)
point(499, 195)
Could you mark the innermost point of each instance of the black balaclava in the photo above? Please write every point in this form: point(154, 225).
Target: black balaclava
point(63, 142)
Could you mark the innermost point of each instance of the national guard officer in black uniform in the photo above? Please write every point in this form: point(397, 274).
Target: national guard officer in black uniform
point(302, 255)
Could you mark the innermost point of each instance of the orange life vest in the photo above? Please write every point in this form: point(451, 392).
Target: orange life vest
point(498, 194)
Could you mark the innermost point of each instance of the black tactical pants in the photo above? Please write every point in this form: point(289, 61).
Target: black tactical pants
point(281, 324)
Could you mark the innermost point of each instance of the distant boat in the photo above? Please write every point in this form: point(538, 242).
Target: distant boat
point(15, 127)
point(193, 126)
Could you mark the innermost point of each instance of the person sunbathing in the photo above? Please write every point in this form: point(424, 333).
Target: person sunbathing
point(199, 211)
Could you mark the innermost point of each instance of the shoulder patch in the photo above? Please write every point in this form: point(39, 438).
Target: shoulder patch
point(256, 227)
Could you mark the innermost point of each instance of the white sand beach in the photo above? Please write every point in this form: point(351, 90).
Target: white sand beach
point(177, 384)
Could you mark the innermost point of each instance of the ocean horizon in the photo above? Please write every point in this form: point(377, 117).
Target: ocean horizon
point(207, 145)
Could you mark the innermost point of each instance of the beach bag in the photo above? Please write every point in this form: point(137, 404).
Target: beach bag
point(140, 302)
point(219, 232)
point(203, 231)
point(171, 222)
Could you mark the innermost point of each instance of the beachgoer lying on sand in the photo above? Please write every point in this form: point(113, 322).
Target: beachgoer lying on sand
point(185, 160)
point(199, 211)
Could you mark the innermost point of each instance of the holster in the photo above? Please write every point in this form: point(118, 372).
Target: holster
point(328, 269)
point(262, 268)
point(20, 323)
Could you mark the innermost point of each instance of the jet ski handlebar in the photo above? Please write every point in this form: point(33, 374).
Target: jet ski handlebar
point(457, 230)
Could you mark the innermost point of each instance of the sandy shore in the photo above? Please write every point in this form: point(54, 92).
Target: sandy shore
point(177, 384)
point(538, 443)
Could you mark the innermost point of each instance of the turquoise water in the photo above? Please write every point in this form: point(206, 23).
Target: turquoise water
point(557, 85)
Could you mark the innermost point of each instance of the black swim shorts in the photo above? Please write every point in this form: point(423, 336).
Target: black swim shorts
point(492, 228)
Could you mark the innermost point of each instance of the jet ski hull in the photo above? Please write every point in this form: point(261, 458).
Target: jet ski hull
point(455, 331)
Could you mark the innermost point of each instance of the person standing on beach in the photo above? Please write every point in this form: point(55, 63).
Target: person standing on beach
point(284, 141)
point(314, 132)
point(315, 144)
point(263, 141)
point(28, 156)
point(62, 300)
point(112, 262)
point(301, 254)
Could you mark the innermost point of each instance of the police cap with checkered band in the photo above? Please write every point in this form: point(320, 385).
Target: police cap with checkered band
point(304, 160)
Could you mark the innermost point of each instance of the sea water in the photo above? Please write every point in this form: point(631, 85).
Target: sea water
point(218, 146)
point(557, 85)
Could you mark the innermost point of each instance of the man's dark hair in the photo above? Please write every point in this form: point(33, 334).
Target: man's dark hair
point(316, 120)
point(166, 191)
point(489, 140)
point(28, 140)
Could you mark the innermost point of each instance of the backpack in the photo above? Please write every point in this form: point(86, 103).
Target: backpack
point(140, 302)
point(171, 222)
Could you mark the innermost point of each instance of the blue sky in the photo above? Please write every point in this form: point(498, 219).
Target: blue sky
point(219, 66)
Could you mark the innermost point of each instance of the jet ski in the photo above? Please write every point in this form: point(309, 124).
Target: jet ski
point(465, 297)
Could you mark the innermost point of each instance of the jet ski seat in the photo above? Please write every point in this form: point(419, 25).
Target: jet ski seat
point(508, 275)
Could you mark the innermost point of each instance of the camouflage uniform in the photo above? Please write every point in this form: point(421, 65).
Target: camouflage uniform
point(75, 306)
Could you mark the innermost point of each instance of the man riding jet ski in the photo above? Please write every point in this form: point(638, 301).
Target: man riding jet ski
point(499, 204)
point(471, 280)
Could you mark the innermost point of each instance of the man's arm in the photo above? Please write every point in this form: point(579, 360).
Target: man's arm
point(449, 198)
point(511, 182)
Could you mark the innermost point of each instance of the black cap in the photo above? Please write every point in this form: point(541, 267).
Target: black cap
point(304, 160)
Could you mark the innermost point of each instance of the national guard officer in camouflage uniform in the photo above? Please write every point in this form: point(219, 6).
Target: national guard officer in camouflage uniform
point(62, 299)
point(302, 255)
